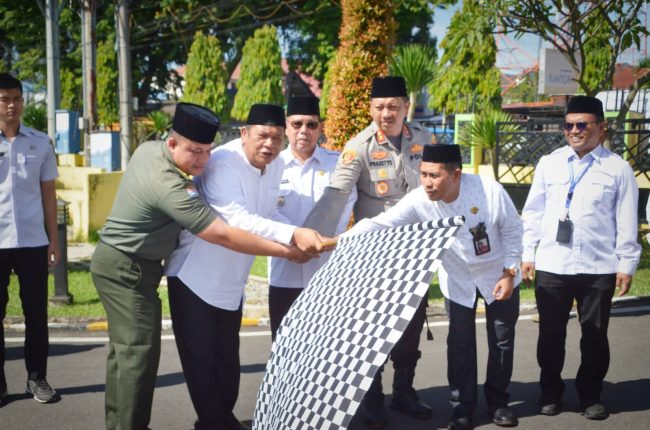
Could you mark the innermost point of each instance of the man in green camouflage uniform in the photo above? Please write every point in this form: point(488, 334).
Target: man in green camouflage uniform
point(157, 198)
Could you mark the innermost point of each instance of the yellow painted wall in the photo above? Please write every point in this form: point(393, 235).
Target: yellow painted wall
point(90, 192)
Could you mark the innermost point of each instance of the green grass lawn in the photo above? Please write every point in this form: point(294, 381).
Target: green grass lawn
point(86, 303)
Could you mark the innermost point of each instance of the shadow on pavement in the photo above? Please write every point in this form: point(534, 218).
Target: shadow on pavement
point(17, 352)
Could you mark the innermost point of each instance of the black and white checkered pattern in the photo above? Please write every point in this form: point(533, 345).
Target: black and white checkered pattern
point(343, 326)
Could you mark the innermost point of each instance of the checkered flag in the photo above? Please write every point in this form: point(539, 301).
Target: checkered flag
point(342, 327)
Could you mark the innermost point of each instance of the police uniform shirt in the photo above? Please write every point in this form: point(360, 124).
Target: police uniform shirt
point(302, 185)
point(382, 173)
point(481, 200)
point(24, 164)
point(154, 201)
point(603, 211)
point(246, 198)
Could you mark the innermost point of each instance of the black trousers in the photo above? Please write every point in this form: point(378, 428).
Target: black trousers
point(30, 265)
point(593, 295)
point(208, 345)
point(280, 301)
point(501, 319)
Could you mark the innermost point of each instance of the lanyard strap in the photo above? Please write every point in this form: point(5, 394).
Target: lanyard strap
point(574, 182)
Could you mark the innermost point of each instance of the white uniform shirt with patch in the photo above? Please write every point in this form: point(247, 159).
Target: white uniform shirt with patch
point(462, 272)
point(603, 211)
point(24, 164)
point(302, 185)
point(246, 198)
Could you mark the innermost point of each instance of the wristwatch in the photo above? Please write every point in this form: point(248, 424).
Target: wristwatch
point(513, 271)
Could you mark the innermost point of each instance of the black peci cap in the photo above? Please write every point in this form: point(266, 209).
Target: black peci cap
point(389, 86)
point(265, 114)
point(196, 123)
point(441, 153)
point(585, 104)
point(303, 105)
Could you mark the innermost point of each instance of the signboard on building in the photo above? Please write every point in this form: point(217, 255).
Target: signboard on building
point(556, 76)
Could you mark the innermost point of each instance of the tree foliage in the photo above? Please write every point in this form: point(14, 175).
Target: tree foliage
point(367, 34)
point(590, 36)
point(205, 75)
point(107, 78)
point(483, 130)
point(468, 78)
point(417, 65)
point(260, 80)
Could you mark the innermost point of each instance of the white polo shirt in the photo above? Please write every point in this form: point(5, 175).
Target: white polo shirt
point(24, 164)
point(302, 185)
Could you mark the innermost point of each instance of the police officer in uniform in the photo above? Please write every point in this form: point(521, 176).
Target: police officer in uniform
point(382, 161)
point(156, 198)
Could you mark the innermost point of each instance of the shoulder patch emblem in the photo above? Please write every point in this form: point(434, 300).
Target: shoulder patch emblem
point(348, 156)
point(191, 191)
point(416, 148)
point(378, 155)
point(381, 188)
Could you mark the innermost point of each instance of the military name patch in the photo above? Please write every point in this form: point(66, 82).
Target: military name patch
point(382, 163)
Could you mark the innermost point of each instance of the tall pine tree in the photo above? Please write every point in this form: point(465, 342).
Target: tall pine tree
point(367, 34)
point(260, 80)
point(205, 75)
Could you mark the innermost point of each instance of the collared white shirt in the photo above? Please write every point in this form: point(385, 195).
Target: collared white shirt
point(603, 211)
point(462, 272)
point(302, 185)
point(246, 198)
point(24, 164)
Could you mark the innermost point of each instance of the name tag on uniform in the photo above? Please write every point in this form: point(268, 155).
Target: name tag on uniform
point(480, 239)
point(564, 231)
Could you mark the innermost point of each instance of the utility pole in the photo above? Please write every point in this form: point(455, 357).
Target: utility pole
point(52, 57)
point(124, 67)
point(88, 60)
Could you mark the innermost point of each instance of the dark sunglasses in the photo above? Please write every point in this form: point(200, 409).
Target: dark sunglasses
point(312, 125)
point(582, 125)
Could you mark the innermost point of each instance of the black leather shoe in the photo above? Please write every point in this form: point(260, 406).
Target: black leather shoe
point(375, 415)
point(405, 399)
point(551, 408)
point(460, 423)
point(597, 411)
point(504, 417)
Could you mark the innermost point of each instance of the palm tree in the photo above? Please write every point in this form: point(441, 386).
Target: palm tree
point(483, 132)
point(417, 65)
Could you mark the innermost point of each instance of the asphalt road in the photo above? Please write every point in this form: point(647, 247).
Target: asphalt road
point(76, 371)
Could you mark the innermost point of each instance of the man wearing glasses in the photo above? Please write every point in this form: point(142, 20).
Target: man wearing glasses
point(28, 235)
point(383, 163)
point(580, 243)
point(307, 171)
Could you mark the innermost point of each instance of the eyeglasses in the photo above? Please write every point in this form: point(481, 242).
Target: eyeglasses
point(312, 125)
point(9, 100)
point(582, 125)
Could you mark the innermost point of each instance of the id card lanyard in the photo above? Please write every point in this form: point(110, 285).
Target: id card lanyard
point(573, 182)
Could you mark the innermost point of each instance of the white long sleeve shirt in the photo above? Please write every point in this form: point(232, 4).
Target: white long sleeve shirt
point(462, 272)
point(246, 198)
point(302, 185)
point(603, 211)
